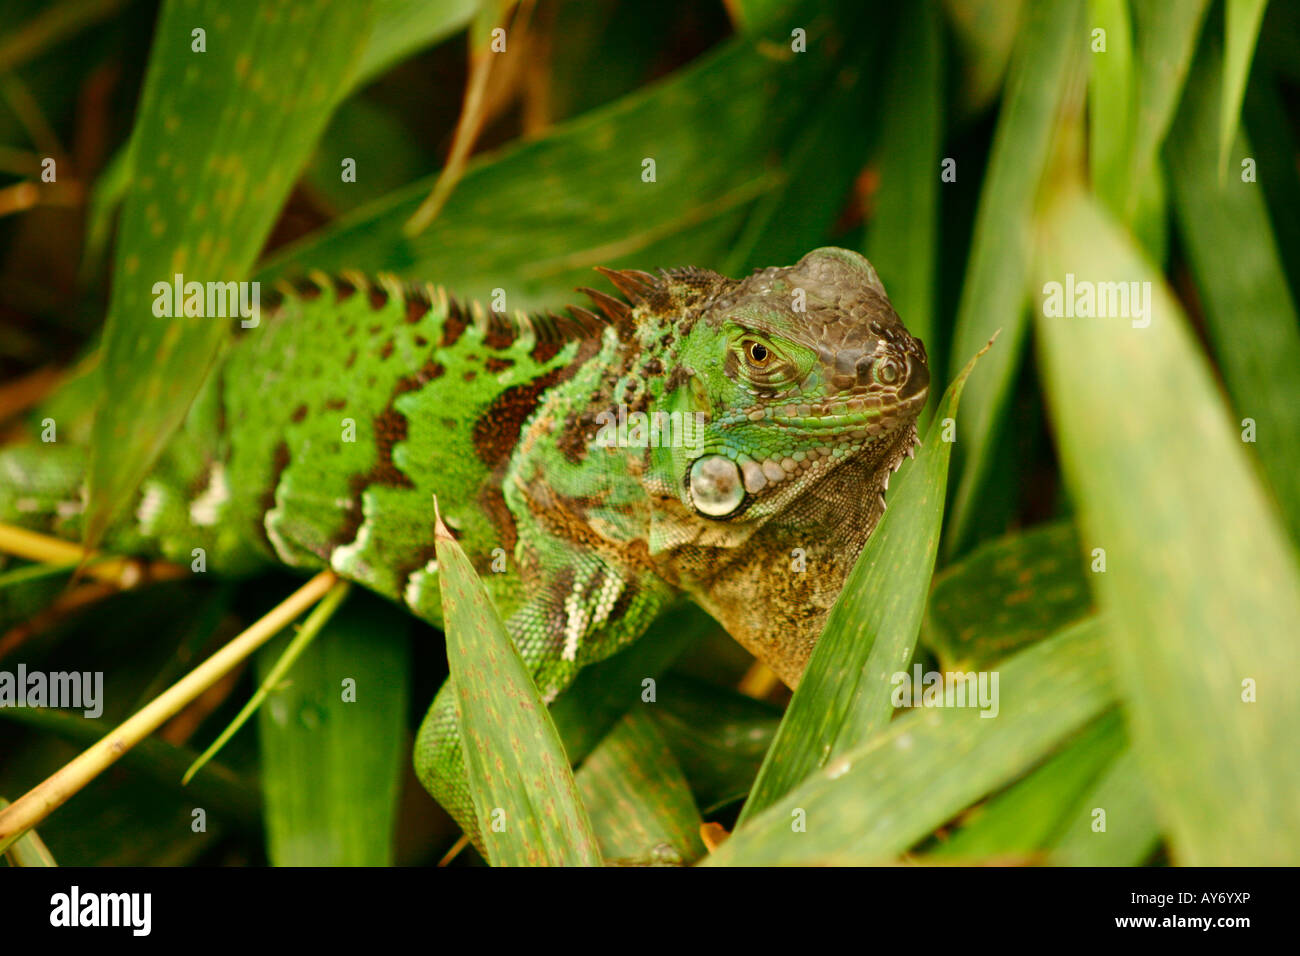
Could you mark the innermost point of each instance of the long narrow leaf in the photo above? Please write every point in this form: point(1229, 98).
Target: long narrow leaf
point(903, 240)
point(1250, 315)
point(1166, 37)
point(640, 805)
point(1201, 583)
point(1241, 30)
point(1127, 833)
point(528, 806)
point(1005, 595)
point(332, 740)
point(224, 131)
point(996, 287)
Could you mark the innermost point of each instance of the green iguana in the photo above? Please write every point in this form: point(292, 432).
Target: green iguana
point(691, 441)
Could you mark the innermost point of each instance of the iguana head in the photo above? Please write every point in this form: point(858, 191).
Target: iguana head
point(796, 370)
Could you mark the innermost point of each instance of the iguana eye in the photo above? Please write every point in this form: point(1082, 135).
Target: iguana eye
point(887, 371)
point(757, 353)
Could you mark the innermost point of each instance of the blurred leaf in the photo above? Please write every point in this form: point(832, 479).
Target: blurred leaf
point(639, 803)
point(1022, 819)
point(1006, 594)
point(332, 741)
point(602, 51)
point(56, 23)
point(882, 797)
point(221, 138)
point(1275, 147)
point(798, 213)
point(1241, 20)
point(516, 764)
point(757, 14)
point(718, 735)
point(903, 238)
point(995, 293)
point(493, 233)
point(845, 693)
point(1202, 585)
point(1111, 102)
point(403, 27)
point(385, 153)
point(985, 32)
point(1166, 38)
point(1249, 312)
point(1131, 832)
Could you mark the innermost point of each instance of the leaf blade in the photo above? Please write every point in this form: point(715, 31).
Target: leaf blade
point(503, 717)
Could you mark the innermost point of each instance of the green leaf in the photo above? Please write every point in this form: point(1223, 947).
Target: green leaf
point(1274, 146)
point(845, 694)
point(1250, 315)
point(882, 797)
point(1006, 594)
point(1111, 102)
point(719, 736)
point(799, 213)
point(1241, 20)
point(1166, 38)
point(1131, 831)
point(995, 292)
point(518, 772)
point(903, 239)
point(1202, 586)
point(985, 32)
point(1021, 820)
point(605, 691)
point(403, 27)
point(333, 740)
point(284, 661)
point(756, 14)
point(220, 139)
point(639, 803)
point(493, 233)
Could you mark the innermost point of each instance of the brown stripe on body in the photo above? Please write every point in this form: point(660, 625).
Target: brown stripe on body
point(497, 431)
point(390, 428)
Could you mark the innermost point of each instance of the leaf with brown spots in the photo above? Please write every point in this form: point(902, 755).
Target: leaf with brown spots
point(220, 137)
point(518, 772)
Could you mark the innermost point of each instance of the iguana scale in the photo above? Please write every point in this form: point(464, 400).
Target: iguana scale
point(322, 436)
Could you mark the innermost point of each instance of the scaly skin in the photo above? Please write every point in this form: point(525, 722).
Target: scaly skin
point(797, 389)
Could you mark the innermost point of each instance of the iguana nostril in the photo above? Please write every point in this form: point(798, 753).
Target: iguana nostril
point(863, 370)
